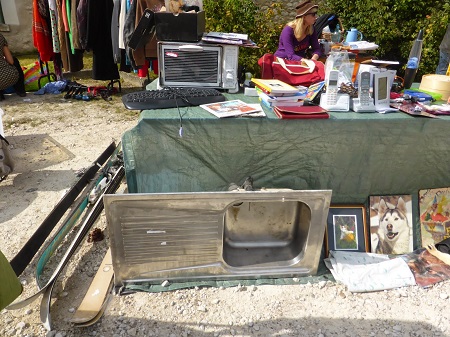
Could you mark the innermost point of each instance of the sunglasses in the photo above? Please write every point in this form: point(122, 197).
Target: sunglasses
point(313, 14)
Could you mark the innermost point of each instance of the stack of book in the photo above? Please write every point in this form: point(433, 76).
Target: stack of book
point(286, 101)
point(271, 101)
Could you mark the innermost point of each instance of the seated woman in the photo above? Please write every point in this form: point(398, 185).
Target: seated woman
point(11, 73)
point(299, 35)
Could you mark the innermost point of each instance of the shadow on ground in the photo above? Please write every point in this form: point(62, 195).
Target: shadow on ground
point(32, 154)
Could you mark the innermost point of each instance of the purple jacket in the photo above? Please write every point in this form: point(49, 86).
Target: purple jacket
point(291, 49)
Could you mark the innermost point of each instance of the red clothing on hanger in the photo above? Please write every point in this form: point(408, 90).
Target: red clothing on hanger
point(42, 35)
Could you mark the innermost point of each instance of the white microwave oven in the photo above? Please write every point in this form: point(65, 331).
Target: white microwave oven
point(202, 65)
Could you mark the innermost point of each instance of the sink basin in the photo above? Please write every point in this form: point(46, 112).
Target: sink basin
point(215, 235)
point(265, 233)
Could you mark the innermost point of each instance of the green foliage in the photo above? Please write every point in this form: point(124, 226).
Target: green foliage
point(394, 26)
point(244, 16)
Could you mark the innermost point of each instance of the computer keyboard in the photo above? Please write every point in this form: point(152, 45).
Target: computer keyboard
point(169, 97)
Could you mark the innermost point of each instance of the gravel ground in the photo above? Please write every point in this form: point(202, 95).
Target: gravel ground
point(53, 138)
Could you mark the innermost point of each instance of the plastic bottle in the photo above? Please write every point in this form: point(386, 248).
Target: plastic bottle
point(248, 77)
point(413, 62)
point(336, 35)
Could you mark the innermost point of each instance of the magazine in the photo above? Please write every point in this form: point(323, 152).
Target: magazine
point(314, 90)
point(230, 108)
point(255, 114)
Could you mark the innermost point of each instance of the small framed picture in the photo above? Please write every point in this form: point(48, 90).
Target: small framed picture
point(434, 210)
point(391, 224)
point(346, 229)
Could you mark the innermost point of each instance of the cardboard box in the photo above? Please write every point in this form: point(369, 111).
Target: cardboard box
point(183, 27)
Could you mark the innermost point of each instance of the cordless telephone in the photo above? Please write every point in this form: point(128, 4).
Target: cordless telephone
point(332, 87)
point(364, 89)
point(331, 99)
point(364, 102)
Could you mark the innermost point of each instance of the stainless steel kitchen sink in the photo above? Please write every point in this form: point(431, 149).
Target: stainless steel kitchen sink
point(269, 233)
point(216, 235)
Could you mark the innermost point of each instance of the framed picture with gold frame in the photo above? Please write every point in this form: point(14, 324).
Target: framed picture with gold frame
point(346, 229)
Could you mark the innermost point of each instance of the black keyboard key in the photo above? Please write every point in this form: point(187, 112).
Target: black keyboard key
point(171, 98)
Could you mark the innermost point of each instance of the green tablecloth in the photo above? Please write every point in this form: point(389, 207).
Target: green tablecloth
point(353, 154)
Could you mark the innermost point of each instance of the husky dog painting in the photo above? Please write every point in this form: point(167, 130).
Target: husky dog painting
point(391, 224)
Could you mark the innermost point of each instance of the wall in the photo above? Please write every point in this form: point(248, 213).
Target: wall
point(288, 12)
point(18, 21)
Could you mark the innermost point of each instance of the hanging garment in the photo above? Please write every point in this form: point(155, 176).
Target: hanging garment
point(122, 17)
point(115, 31)
point(57, 65)
point(42, 36)
point(73, 25)
point(82, 17)
point(99, 40)
point(54, 25)
point(68, 23)
point(72, 61)
point(127, 32)
point(62, 35)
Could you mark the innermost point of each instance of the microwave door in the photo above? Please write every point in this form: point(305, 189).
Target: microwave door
point(190, 65)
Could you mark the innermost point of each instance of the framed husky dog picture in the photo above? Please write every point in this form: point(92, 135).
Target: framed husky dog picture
point(346, 229)
point(434, 210)
point(391, 224)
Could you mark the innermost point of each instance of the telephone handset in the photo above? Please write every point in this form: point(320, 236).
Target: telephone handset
point(331, 99)
point(364, 89)
point(364, 101)
point(332, 87)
